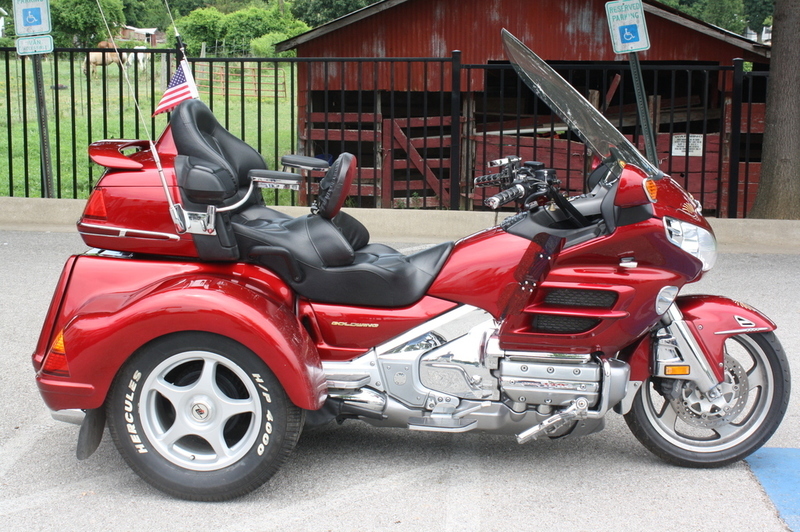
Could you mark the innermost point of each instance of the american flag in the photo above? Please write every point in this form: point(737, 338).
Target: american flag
point(181, 87)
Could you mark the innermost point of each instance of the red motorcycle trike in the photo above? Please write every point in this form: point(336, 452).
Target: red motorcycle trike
point(206, 329)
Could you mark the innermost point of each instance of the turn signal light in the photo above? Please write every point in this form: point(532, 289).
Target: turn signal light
point(56, 361)
point(96, 206)
point(676, 370)
point(651, 189)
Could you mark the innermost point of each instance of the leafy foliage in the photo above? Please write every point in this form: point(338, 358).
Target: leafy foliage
point(80, 22)
point(728, 14)
point(733, 15)
point(146, 14)
point(264, 46)
point(181, 8)
point(758, 13)
point(317, 12)
point(199, 26)
point(237, 29)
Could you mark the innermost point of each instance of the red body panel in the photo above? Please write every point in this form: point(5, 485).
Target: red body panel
point(343, 333)
point(631, 190)
point(595, 265)
point(137, 217)
point(115, 306)
point(108, 153)
point(481, 270)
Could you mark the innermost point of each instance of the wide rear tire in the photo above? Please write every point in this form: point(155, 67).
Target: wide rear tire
point(680, 425)
point(201, 417)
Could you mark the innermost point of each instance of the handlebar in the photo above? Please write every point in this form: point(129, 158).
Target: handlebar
point(489, 180)
point(516, 192)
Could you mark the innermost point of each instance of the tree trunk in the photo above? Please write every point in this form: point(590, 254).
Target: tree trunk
point(779, 191)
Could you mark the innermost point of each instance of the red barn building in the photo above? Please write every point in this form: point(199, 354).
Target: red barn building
point(397, 116)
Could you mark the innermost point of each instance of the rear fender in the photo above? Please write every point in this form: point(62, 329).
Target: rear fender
point(105, 330)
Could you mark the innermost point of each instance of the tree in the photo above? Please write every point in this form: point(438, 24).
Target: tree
point(181, 8)
point(317, 12)
point(200, 26)
point(146, 14)
point(238, 29)
point(728, 14)
point(779, 191)
point(757, 13)
point(241, 27)
point(80, 22)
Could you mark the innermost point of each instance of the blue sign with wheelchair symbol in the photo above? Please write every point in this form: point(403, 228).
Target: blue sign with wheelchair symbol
point(629, 34)
point(32, 16)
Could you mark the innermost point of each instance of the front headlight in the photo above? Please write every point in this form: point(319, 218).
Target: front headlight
point(694, 240)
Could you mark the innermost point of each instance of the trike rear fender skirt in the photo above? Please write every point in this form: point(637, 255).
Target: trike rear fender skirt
point(711, 320)
point(106, 329)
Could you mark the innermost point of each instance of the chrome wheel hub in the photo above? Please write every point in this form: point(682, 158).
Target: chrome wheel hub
point(200, 410)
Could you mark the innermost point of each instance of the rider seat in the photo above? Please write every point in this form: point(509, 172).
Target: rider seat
point(325, 256)
point(333, 263)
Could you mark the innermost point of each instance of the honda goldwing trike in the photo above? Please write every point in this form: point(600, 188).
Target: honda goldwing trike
point(206, 329)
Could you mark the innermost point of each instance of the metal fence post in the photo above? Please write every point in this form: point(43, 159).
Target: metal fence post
point(736, 137)
point(455, 134)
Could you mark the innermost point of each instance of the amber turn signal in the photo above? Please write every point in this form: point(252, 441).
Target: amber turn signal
point(651, 189)
point(676, 370)
point(56, 361)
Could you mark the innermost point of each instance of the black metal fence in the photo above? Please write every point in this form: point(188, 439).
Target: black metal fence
point(422, 129)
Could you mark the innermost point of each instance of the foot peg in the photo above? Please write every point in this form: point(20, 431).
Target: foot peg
point(576, 410)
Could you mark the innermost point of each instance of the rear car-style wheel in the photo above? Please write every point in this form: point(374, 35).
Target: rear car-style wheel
point(201, 417)
point(680, 424)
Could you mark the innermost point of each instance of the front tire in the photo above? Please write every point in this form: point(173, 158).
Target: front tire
point(201, 417)
point(681, 425)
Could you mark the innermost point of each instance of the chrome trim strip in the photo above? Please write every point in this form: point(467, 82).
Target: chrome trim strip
point(744, 331)
point(124, 232)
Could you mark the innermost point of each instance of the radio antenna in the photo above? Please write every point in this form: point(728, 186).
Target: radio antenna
point(176, 211)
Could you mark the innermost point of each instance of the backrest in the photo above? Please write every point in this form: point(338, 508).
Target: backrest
point(197, 133)
point(335, 186)
point(212, 163)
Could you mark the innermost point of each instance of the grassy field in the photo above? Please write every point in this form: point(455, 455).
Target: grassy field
point(81, 109)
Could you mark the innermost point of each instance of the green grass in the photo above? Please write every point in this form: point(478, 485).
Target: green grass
point(81, 110)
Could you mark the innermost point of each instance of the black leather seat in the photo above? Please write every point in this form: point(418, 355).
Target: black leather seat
point(332, 262)
point(325, 256)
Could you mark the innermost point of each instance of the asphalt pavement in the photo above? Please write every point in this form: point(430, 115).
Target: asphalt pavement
point(357, 477)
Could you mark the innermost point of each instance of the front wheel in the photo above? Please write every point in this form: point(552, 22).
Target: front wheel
point(201, 417)
point(681, 425)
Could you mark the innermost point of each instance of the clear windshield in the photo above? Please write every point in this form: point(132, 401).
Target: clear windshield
point(584, 120)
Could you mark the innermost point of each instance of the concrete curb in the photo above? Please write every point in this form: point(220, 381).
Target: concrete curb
point(412, 225)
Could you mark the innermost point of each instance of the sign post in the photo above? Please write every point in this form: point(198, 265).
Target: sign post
point(32, 24)
point(629, 36)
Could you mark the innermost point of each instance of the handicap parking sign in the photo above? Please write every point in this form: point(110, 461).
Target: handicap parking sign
point(32, 16)
point(627, 25)
point(629, 34)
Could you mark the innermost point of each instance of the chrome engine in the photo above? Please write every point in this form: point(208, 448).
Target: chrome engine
point(452, 376)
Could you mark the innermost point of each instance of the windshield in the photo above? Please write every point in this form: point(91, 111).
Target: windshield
point(584, 120)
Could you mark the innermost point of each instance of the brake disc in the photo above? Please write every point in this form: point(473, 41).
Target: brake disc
point(699, 410)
